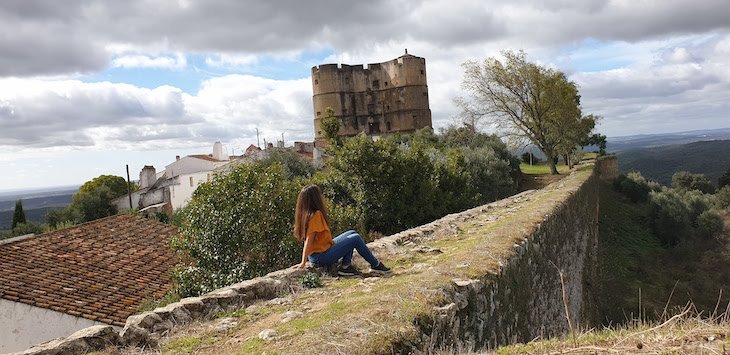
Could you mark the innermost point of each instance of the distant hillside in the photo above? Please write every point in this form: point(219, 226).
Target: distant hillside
point(711, 158)
point(35, 215)
point(620, 144)
point(35, 205)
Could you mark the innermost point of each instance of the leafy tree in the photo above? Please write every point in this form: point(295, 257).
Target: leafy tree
point(93, 200)
point(331, 127)
point(236, 227)
point(526, 101)
point(669, 217)
point(724, 180)
point(18, 214)
point(291, 163)
point(722, 197)
point(709, 224)
point(635, 186)
point(389, 186)
point(598, 140)
point(57, 217)
point(684, 180)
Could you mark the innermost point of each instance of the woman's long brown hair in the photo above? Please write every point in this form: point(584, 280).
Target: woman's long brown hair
point(310, 200)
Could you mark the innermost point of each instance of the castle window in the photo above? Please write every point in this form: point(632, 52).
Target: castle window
point(421, 71)
point(319, 113)
point(316, 81)
point(387, 107)
point(387, 124)
point(386, 83)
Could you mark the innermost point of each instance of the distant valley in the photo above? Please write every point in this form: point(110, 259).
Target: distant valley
point(711, 158)
point(36, 204)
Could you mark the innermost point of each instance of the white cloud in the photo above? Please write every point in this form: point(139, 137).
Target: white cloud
point(143, 61)
point(71, 113)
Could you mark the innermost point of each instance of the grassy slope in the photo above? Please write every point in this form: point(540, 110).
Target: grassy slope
point(711, 158)
point(631, 258)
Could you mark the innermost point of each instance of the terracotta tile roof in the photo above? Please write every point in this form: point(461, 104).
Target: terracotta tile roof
point(101, 270)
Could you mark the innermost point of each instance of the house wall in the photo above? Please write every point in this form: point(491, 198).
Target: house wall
point(22, 326)
point(184, 186)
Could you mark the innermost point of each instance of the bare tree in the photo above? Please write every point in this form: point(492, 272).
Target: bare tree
point(524, 100)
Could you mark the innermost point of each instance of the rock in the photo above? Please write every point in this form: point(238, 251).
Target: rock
point(290, 315)
point(146, 320)
point(97, 337)
point(225, 323)
point(133, 335)
point(194, 306)
point(268, 334)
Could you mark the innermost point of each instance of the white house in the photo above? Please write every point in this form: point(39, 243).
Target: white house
point(172, 188)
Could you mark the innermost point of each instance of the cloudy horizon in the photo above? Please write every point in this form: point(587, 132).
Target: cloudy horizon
point(89, 86)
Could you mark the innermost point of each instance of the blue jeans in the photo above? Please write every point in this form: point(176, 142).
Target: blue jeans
point(345, 243)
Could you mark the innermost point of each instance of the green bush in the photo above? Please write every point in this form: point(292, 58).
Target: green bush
point(724, 180)
point(27, 228)
point(236, 227)
point(722, 197)
point(684, 180)
point(635, 187)
point(709, 224)
point(669, 217)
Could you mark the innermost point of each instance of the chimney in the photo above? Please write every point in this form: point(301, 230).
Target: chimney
point(177, 157)
point(147, 176)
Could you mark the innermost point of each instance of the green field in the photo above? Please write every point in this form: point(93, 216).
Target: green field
point(537, 169)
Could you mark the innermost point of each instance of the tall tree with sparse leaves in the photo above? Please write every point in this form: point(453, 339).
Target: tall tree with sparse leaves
point(525, 101)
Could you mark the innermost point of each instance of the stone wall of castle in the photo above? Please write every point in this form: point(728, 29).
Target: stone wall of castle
point(383, 98)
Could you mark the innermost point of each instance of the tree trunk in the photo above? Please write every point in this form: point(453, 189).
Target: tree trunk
point(553, 168)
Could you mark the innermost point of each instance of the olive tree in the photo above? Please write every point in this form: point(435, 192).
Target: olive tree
point(236, 227)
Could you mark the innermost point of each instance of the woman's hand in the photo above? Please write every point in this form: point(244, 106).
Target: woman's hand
point(300, 266)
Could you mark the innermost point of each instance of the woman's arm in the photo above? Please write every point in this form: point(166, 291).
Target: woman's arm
point(306, 252)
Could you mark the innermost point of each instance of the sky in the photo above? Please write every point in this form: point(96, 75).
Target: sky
point(88, 87)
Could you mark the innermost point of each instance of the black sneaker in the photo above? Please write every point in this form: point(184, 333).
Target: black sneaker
point(348, 271)
point(380, 269)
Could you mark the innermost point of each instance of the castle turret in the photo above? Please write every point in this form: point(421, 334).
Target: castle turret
point(383, 98)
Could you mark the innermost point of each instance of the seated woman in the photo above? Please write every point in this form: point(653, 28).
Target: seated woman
point(311, 225)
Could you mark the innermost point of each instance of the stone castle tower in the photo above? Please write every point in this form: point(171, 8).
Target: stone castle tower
point(383, 98)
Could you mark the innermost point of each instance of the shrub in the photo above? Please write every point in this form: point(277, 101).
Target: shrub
point(709, 224)
point(669, 217)
point(722, 198)
point(492, 170)
point(634, 186)
point(236, 227)
point(311, 280)
point(27, 228)
point(684, 180)
point(724, 180)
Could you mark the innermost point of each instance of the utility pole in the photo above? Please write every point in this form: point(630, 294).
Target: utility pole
point(129, 188)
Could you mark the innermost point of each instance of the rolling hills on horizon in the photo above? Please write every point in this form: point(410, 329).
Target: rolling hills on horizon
point(711, 158)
